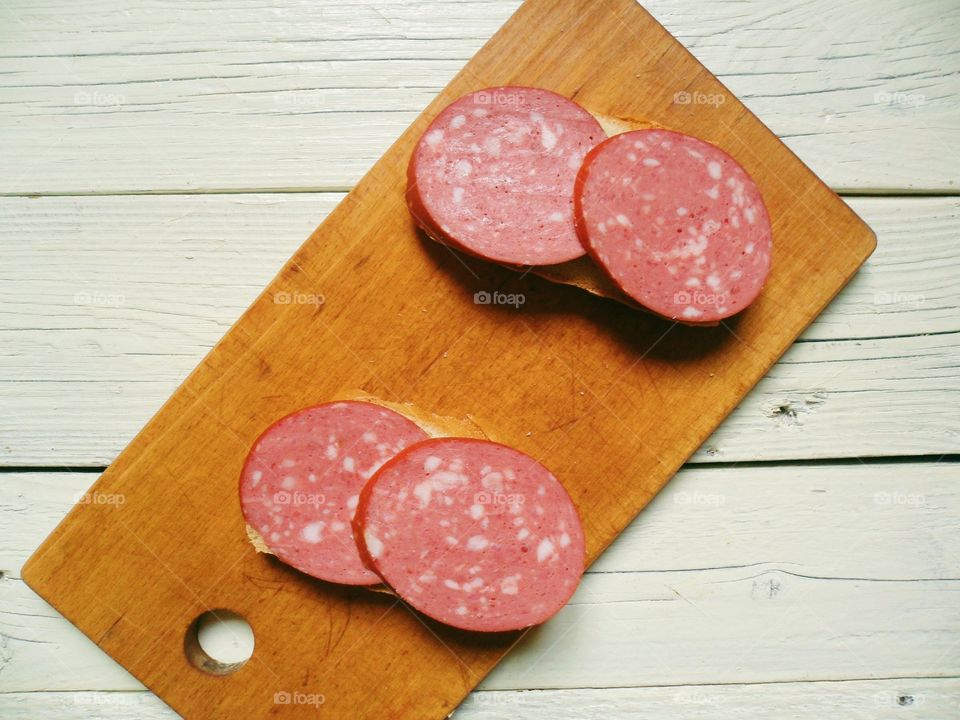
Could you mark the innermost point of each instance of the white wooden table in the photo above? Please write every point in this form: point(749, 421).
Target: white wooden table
point(160, 160)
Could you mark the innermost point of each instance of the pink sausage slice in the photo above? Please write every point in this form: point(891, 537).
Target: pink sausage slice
point(493, 175)
point(472, 533)
point(301, 483)
point(676, 223)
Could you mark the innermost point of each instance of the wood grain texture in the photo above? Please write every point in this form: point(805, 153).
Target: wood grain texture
point(107, 303)
point(194, 95)
point(567, 373)
point(830, 554)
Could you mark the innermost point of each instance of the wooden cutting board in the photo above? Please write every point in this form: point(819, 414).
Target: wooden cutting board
point(612, 400)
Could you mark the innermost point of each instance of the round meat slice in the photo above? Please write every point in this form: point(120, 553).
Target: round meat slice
point(676, 223)
point(472, 533)
point(493, 175)
point(301, 483)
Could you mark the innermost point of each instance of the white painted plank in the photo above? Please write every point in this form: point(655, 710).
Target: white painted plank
point(107, 303)
point(872, 521)
point(850, 700)
point(907, 698)
point(725, 626)
point(721, 573)
point(84, 706)
point(205, 95)
point(908, 286)
point(846, 399)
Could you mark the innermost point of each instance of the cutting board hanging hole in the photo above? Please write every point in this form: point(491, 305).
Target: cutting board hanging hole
point(219, 642)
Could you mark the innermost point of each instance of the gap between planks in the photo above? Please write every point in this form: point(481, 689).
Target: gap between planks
point(930, 458)
point(893, 193)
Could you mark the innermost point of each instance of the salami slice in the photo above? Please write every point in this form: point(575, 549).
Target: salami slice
point(676, 223)
point(301, 483)
point(472, 533)
point(493, 175)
